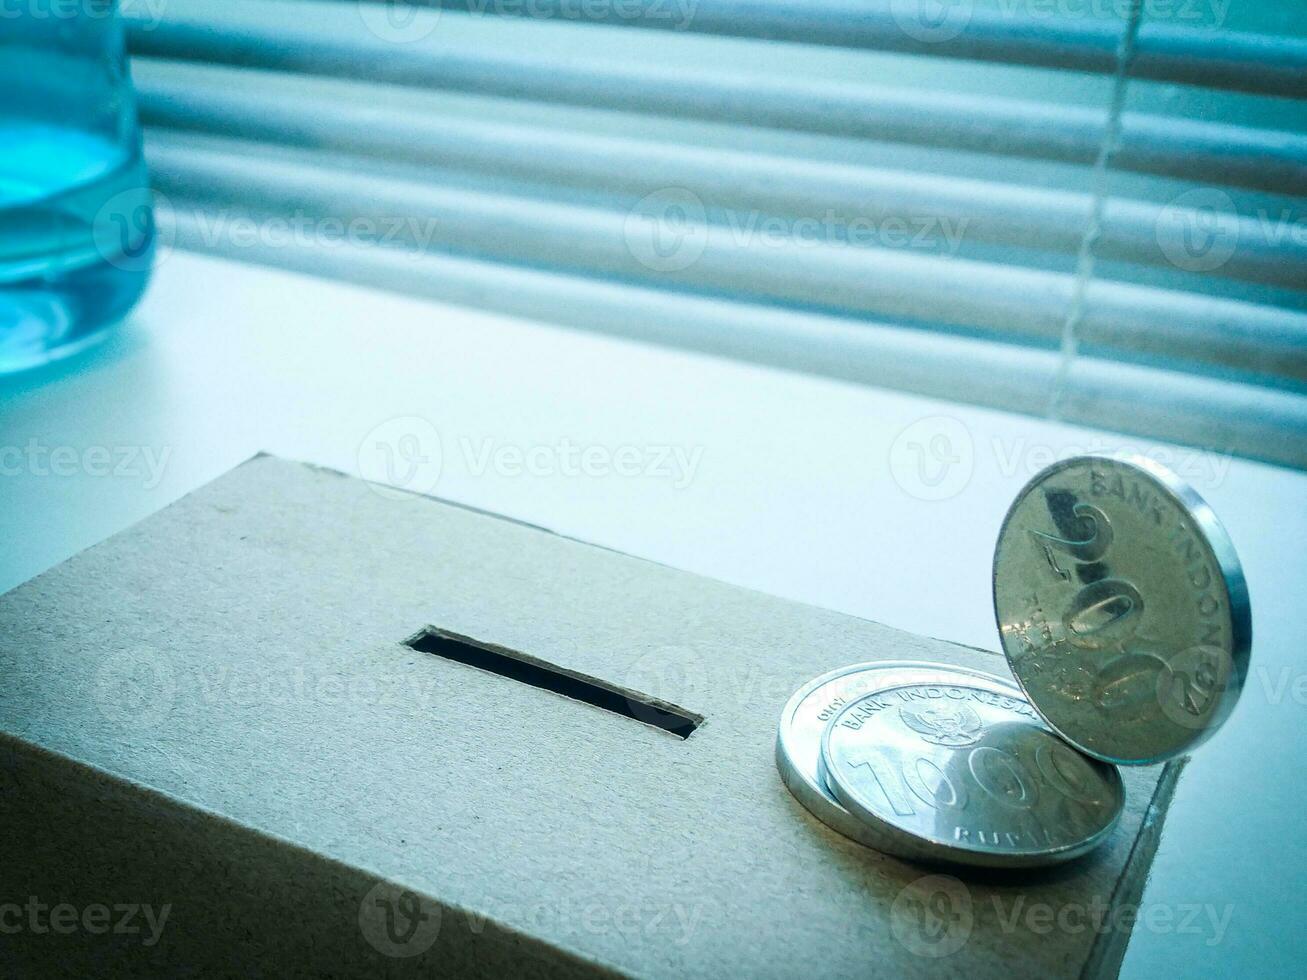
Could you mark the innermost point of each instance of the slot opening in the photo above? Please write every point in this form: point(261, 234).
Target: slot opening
point(546, 676)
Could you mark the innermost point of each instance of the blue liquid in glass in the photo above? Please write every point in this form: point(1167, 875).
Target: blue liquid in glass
point(76, 226)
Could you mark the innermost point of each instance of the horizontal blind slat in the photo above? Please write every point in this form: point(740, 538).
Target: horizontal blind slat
point(263, 37)
point(1165, 52)
point(1004, 301)
point(945, 207)
point(1244, 419)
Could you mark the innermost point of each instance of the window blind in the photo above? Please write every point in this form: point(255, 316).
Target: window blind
point(1060, 207)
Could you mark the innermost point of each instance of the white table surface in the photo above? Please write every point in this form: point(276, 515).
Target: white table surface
point(794, 485)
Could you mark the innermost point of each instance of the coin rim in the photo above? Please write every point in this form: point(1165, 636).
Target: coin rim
point(810, 791)
point(909, 844)
point(1213, 537)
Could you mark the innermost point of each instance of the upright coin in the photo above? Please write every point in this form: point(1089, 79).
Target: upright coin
point(961, 769)
point(810, 710)
point(1122, 608)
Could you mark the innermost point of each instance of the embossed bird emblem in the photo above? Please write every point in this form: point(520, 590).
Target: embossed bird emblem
point(943, 724)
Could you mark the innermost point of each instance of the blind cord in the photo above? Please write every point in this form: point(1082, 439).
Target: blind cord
point(1100, 174)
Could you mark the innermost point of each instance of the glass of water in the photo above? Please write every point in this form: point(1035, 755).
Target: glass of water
point(76, 225)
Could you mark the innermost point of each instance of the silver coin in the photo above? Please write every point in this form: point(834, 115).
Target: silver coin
point(810, 710)
point(961, 769)
point(1122, 608)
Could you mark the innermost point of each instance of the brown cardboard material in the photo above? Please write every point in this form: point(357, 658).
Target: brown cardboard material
point(216, 710)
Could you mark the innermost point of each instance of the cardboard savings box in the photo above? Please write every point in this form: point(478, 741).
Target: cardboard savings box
point(271, 730)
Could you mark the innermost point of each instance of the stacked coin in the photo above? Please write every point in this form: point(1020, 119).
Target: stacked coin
point(1124, 618)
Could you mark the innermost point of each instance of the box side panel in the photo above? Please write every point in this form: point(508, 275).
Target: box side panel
point(104, 878)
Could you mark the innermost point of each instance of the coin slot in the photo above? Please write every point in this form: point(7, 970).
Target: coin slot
point(549, 677)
